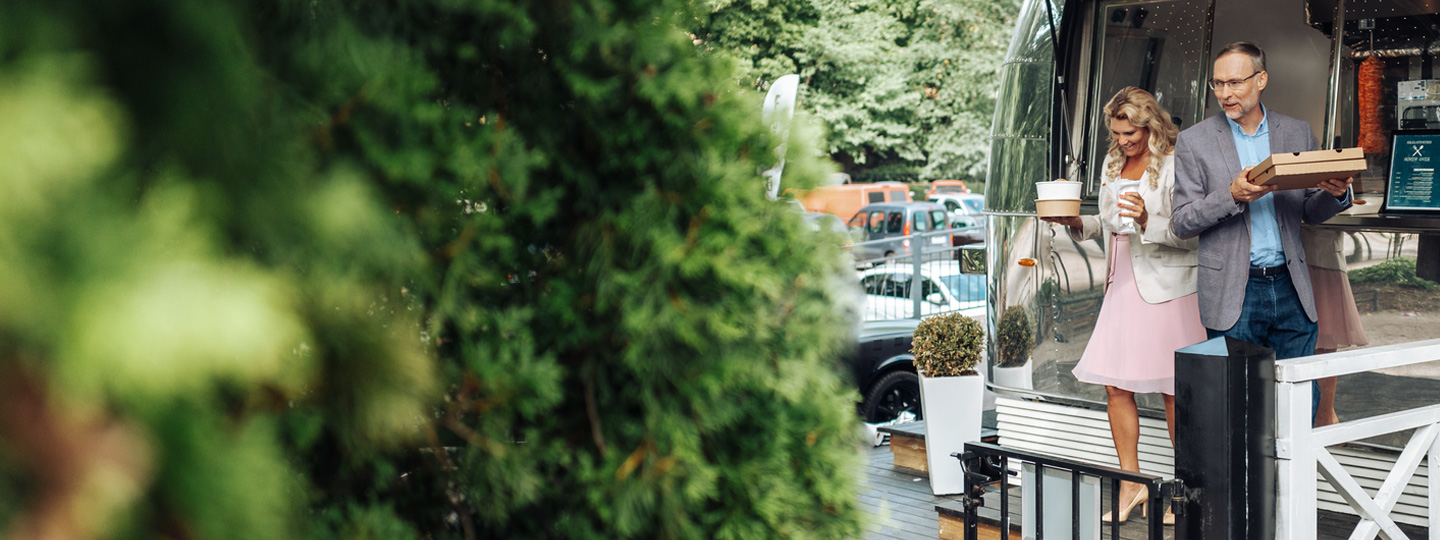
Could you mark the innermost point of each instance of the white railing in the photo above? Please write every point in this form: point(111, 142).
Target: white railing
point(1299, 448)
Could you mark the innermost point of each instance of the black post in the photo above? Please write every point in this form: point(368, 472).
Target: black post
point(972, 500)
point(1427, 257)
point(1224, 440)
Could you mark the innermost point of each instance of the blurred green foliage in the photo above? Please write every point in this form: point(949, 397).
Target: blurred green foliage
point(896, 82)
point(1399, 271)
point(419, 269)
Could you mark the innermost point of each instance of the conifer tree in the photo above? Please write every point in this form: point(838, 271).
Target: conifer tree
point(414, 269)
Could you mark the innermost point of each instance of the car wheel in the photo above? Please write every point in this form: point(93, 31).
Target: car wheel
point(896, 392)
point(889, 254)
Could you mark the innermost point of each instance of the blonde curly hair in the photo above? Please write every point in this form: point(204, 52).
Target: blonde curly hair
point(1141, 109)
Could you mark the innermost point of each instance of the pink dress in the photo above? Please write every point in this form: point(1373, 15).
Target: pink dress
point(1339, 320)
point(1133, 345)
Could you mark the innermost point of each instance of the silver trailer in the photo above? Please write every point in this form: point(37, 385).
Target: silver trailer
point(1068, 57)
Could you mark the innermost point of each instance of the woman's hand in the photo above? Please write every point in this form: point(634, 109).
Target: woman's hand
point(1068, 221)
point(1135, 208)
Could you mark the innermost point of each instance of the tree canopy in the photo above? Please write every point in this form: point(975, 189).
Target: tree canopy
point(906, 88)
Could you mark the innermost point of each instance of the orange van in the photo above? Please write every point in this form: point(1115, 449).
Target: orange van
point(946, 186)
point(844, 200)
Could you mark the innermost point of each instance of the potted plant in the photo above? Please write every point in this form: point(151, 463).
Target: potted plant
point(947, 348)
point(1014, 341)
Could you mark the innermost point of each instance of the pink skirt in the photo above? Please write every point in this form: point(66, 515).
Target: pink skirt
point(1133, 345)
point(1339, 321)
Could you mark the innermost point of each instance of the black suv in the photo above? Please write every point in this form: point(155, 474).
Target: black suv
point(884, 370)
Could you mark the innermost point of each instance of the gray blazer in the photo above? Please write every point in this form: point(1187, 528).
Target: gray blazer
point(1205, 163)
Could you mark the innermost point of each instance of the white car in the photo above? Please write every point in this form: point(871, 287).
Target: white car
point(967, 216)
point(943, 289)
point(966, 209)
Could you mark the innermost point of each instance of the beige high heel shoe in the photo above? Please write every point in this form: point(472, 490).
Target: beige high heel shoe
point(1127, 506)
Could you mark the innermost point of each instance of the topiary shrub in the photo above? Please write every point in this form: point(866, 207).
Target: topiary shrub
point(947, 345)
point(1014, 338)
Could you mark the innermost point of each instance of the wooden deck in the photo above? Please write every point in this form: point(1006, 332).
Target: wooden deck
point(898, 505)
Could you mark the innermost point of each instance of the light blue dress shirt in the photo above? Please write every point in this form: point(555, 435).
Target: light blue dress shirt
point(1265, 248)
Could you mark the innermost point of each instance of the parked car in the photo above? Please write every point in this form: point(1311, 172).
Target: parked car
point(845, 199)
point(820, 221)
point(966, 208)
point(895, 222)
point(884, 371)
point(942, 287)
point(946, 186)
point(967, 216)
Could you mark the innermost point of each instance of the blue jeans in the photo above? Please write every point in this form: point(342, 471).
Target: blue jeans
point(1273, 316)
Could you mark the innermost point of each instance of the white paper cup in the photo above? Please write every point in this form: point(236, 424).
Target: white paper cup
point(1121, 187)
point(1046, 191)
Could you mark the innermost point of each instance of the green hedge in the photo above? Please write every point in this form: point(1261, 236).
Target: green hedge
point(1398, 271)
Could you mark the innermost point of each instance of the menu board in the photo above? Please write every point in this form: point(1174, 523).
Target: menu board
point(1412, 173)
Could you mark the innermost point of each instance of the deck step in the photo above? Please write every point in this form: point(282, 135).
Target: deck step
point(907, 443)
point(952, 522)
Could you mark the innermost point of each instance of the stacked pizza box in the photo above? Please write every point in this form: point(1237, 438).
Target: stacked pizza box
point(1297, 170)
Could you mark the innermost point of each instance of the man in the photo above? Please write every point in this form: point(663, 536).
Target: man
point(1253, 284)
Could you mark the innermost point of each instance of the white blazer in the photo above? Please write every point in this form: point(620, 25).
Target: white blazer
point(1164, 264)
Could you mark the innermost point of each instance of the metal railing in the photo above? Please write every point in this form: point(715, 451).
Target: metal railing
point(1299, 448)
point(987, 464)
point(888, 281)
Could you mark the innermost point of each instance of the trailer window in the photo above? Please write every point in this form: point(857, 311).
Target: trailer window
point(1157, 46)
point(1387, 66)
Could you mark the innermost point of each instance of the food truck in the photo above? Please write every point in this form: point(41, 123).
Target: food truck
point(1364, 74)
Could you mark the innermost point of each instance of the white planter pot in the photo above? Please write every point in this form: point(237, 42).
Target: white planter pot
point(1015, 377)
point(952, 407)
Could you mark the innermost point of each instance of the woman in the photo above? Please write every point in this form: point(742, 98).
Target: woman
point(1150, 308)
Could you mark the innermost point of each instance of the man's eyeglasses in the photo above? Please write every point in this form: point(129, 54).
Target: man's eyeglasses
point(1218, 85)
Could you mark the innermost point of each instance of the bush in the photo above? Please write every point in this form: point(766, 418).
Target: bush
point(917, 191)
point(893, 172)
point(420, 269)
point(947, 345)
point(1014, 337)
point(1398, 271)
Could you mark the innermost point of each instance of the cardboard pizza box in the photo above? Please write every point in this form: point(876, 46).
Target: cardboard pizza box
point(1297, 170)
